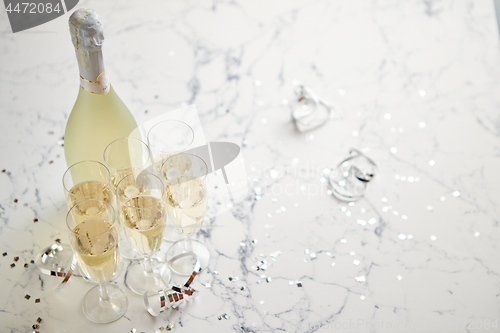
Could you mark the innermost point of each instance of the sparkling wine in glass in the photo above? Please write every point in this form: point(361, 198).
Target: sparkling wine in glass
point(81, 181)
point(165, 139)
point(95, 238)
point(87, 180)
point(123, 157)
point(187, 198)
point(143, 218)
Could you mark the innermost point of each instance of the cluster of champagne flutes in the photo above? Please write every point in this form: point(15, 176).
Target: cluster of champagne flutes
point(139, 188)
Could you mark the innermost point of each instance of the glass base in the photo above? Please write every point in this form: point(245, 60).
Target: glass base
point(137, 280)
point(105, 312)
point(54, 259)
point(183, 262)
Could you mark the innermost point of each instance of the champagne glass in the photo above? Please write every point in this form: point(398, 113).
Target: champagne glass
point(143, 217)
point(166, 139)
point(81, 181)
point(123, 157)
point(87, 180)
point(94, 238)
point(186, 197)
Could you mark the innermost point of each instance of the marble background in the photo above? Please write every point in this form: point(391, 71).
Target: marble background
point(416, 87)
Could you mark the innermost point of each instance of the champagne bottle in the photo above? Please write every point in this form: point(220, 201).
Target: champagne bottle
point(98, 116)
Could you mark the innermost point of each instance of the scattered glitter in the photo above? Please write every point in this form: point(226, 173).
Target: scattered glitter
point(306, 251)
point(402, 236)
point(348, 213)
point(430, 208)
point(372, 221)
point(326, 171)
point(356, 262)
point(274, 200)
point(290, 283)
point(361, 222)
point(15, 200)
point(16, 259)
point(258, 282)
point(313, 256)
point(432, 163)
point(385, 209)
point(322, 179)
point(262, 302)
point(208, 285)
point(399, 277)
point(411, 179)
point(35, 220)
point(394, 150)
point(275, 254)
point(284, 101)
point(12, 265)
point(421, 124)
point(362, 297)
point(422, 93)
point(27, 296)
point(433, 237)
point(299, 284)
point(39, 320)
point(456, 194)
point(387, 116)
point(404, 217)
point(309, 138)
point(329, 192)
point(37, 300)
point(343, 240)
point(328, 253)
point(351, 203)
point(443, 198)
point(224, 315)
point(363, 210)
point(355, 133)
point(230, 278)
point(396, 213)
point(384, 199)
point(4, 254)
point(26, 265)
point(273, 174)
point(343, 209)
point(255, 241)
point(283, 209)
point(35, 326)
point(257, 83)
point(410, 236)
point(360, 278)
point(352, 253)
point(268, 279)
point(269, 215)
point(242, 244)
point(332, 264)
point(477, 234)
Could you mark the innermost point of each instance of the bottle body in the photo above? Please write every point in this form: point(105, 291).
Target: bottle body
point(99, 116)
point(95, 121)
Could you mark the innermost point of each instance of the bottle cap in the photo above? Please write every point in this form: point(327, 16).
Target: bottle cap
point(86, 29)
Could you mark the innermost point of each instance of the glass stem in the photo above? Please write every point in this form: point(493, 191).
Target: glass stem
point(103, 293)
point(187, 244)
point(147, 265)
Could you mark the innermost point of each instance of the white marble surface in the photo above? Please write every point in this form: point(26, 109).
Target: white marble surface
point(417, 87)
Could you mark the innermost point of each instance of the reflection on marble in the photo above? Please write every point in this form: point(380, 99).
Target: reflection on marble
point(417, 88)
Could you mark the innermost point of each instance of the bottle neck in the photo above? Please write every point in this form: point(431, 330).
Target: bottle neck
point(93, 76)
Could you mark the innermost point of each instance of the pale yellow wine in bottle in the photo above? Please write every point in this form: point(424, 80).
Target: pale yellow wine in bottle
point(98, 116)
